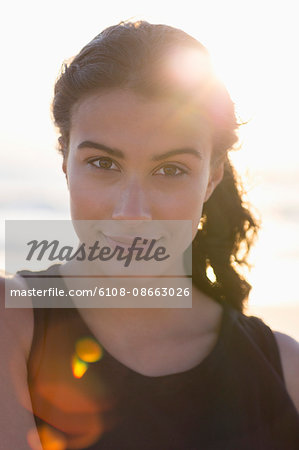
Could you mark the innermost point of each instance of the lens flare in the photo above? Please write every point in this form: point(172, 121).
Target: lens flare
point(187, 67)
point(50, 439)
point(79, 367)
point(88, 350)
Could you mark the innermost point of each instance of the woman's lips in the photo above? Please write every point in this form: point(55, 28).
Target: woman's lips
point(127, 241)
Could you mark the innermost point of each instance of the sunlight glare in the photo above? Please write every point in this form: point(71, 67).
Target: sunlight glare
point(187, 67)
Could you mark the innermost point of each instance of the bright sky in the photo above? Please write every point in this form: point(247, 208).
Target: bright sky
point(254, 46)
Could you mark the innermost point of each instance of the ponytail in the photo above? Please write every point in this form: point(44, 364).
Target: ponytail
point(228, 230)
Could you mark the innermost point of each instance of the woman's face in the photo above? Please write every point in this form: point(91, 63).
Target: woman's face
point(132, 158)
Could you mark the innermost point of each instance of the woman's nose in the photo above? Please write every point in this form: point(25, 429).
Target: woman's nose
point(132, 203)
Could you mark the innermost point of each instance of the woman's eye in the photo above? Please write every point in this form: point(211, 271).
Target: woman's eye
point(170, 170)
point(103, 163)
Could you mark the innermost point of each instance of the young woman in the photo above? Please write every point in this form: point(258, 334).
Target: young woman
point(145, 129)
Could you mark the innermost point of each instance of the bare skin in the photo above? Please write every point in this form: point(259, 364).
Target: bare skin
point(16, 335)
point(135, 188)
point(16, 331)
point(158, 342)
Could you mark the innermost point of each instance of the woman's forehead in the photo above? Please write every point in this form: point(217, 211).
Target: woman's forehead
point(123, 111)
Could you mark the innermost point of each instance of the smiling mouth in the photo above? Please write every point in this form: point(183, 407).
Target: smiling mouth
point(128, 240)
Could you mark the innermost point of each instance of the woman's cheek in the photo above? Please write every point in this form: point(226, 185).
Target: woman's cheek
point(87, 204)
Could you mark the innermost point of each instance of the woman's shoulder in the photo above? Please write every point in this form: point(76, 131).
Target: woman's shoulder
point(17, 323)
point(16, 330)
point(278, 347)
point(289, 354)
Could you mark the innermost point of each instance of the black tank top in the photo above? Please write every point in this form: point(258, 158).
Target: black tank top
point(235, 399)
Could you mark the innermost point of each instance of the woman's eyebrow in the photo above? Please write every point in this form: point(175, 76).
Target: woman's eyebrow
point(177, 151)
point(120, 154)
point(98, 146)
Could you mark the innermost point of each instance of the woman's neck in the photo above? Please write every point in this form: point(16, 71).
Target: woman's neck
point(143, 324)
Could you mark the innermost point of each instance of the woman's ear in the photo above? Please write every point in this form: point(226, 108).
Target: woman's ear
point(216, 175)
point(64, 167)
point(63, 152)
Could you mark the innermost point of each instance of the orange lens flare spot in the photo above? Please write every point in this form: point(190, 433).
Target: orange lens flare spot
point(50, 439)
point(88, 350)
point(78, 367)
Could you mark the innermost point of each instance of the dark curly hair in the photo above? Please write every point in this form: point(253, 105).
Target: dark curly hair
point(132, 55)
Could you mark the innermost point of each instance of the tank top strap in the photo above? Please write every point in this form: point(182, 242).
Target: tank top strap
point(264, 340)
point(41, 315)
